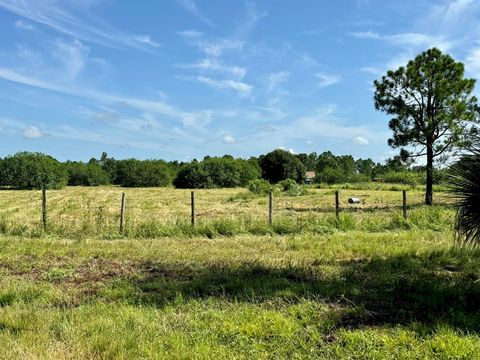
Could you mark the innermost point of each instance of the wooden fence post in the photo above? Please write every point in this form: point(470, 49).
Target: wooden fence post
point(193, 207)
point(405, 204)
point(270, 208)
point(337, 204)
point(44, 209)
point(122, 215)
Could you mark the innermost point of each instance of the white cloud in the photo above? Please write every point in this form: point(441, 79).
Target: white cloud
point(327, 80)
point(360, 140)
point(275, 78)
point(33, 132)
point(228, 139)
point(147, 39)
point(191, 7)
point(290, 150)
point(73, 19)
point(240, 87)
point(215, 65)
point(23, 25)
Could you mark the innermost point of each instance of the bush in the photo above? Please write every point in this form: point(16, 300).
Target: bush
point(290, 187)
point(259, 186)
point(407, 178)
point(26, 170)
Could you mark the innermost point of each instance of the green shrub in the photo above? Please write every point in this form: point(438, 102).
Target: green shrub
point(407, 178)
point(290, 187)
point(259, 186)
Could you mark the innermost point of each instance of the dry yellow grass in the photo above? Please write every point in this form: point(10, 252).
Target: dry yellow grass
point(96, 210)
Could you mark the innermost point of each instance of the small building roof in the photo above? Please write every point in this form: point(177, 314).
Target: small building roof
point(310, 175)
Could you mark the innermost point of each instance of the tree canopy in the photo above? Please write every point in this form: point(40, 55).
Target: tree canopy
point(26, 170)
point(432, 107)
point(280, 165)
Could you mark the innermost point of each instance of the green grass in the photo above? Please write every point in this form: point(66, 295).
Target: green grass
point(367, 286)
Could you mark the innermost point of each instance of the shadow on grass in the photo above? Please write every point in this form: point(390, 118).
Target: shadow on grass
point(436, 287)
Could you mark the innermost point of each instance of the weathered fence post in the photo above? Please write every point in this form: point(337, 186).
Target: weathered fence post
point(44, 209)
point(193, 207)
point(337, 204)
point(270, 208)
point(405, 204)
point(122, 215)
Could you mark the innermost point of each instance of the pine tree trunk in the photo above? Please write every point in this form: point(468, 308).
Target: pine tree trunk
point(429, 187)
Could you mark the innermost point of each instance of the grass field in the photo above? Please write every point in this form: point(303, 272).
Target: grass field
point(369, 285)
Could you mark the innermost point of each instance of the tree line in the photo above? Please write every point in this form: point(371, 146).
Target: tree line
point(26, 170)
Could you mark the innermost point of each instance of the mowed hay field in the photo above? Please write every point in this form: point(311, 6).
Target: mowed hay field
point(368, 285)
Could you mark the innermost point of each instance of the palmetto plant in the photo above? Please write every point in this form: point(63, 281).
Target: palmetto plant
point(465, 185)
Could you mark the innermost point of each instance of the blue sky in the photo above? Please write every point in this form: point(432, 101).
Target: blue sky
point(180, 79)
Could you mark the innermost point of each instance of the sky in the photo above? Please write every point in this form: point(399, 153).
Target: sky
point(181, 79)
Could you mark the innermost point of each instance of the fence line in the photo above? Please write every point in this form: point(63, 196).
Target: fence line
point(193, 213)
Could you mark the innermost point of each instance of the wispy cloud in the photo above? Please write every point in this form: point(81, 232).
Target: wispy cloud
point(240, 87)
point(160, 107)
point(214, 65)
point(252, 17)
point(23, 25)
point(192, 8)
point(147, 39)
point(190, 33)
point(472, 61)
point(78, 24)
point(325, 80)
point(276, 78)
point(73, 55)
point(416, 40)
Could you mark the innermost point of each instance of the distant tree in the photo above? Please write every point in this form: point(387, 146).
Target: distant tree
point(333, 169)
point(193, 176)
point(280, 165)
point(26, 170)
point(90, 174)
point(146, 173)
point(432, 107)
point(217, 172)
point(365, 167)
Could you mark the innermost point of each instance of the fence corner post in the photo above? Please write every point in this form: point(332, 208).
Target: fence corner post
point(405, 204)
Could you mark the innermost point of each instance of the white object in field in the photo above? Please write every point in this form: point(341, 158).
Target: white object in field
point(353, 200)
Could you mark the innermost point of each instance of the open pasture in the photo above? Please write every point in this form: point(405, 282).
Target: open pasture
point(369, 285)
point(79, 212)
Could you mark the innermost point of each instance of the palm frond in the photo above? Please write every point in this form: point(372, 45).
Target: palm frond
point(465, 186)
